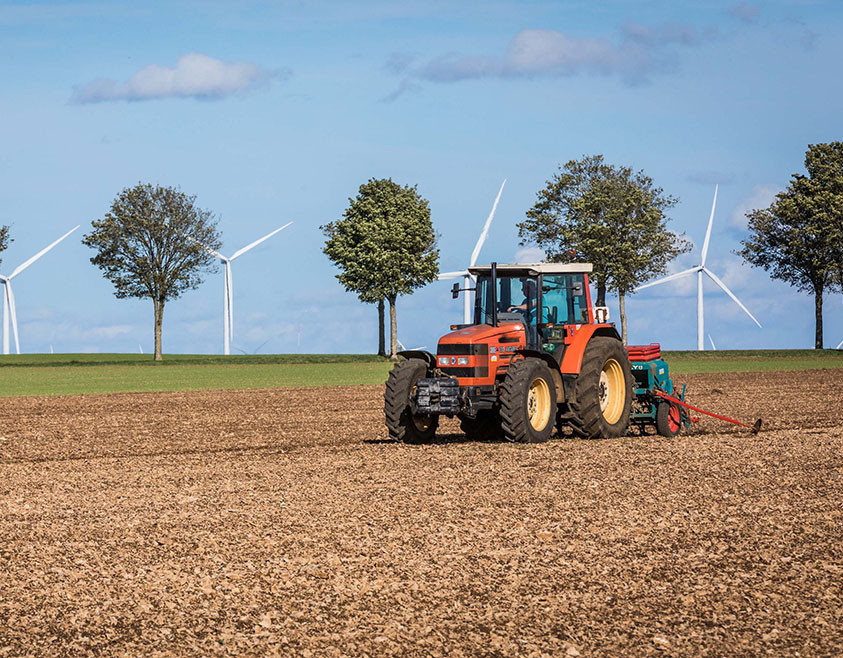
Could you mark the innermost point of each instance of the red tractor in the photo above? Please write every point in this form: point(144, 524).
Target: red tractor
point(534, 358)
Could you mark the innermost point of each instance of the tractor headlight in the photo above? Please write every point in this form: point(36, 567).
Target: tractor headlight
point(444, 361)
point(462, 361)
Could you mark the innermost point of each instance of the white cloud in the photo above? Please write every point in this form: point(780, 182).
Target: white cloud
point(194, 76)
point(637, 52)
point(543, 53)
point(530, 255)
point(761, 196)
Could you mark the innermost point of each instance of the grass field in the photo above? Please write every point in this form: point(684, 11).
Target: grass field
point(71, 374)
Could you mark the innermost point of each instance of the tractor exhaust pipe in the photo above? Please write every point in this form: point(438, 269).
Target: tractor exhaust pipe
point(494, 294)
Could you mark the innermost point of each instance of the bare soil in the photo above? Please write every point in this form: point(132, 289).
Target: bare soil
point(282, 521)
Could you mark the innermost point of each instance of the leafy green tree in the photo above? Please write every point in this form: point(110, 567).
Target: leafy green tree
point(384, 245)
point(799, 238)
point(150, 245)
point(4, 239)
point(612, 217)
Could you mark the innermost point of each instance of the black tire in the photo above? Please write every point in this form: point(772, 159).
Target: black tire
point(665, 425)
point(589, 418)
point(528, 402)
point(400, 421)
point(485, 427)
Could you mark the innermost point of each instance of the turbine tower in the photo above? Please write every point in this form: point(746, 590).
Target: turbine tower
point(9, 310)
point(467, 278)
point(699, 270)
point(228, 291)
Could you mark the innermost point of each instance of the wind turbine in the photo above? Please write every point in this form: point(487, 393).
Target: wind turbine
point(699, 270)
point(467, 278)
point(228, 291)
point(9, 310)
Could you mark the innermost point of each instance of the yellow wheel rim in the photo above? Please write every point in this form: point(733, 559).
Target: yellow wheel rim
point(538, 404)
point(612, 391)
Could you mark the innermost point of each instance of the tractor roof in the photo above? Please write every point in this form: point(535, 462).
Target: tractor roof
point(533, 269)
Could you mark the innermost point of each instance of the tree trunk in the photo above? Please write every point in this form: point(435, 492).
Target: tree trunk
point(393, 329)
point(601, 293)
point(818, 314)
point(381, 330)
point(622, 304)
point(158, 306)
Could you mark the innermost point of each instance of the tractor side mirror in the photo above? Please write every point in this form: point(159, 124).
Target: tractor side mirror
point(577, 288)
point(455, 291)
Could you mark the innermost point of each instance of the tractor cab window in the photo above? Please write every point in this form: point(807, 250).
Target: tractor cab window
point(563, 299)
point(517, 299)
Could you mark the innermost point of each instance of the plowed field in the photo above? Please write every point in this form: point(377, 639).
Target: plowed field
point(282, 521)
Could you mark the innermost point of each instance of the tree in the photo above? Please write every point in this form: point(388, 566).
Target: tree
point(799, 238)
point(612, 217)
point(4, 239)
point(384, 245)
point(149, 246)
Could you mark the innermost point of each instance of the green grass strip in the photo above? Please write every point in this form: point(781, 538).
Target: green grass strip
point(73, 374)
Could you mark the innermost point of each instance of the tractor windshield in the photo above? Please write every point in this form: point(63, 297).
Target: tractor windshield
point(517, 299)
point(563, 299)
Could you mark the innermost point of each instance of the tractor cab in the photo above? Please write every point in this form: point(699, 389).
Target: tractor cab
point(544, 298)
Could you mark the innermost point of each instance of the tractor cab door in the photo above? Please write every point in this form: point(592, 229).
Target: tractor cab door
point(564, 301)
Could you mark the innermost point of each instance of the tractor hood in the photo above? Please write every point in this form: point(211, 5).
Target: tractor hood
point(483, 333)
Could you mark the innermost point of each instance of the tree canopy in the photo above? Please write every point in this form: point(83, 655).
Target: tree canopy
point(384, 245)
point(610, 216)
point(799, 238)
point(4, 239)
point(151, 244)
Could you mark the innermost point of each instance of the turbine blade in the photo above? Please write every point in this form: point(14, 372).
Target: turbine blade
point(711, 340)
point(668, 278)
point(452, 275)
point(14, 314)
point(485, 232)
point(20, 268)
point(207, 248)
point(257, 242)
point(737, 301)
point(708, 230)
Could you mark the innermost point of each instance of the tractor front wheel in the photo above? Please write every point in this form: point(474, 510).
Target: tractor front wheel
point(402, 424)
point(528, 402)
point(604, 389)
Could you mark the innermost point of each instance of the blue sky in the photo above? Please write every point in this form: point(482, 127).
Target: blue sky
point(277, 111)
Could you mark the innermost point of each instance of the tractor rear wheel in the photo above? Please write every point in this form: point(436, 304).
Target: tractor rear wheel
point(528, 402)
point(604, 389)
point(486, 426)
point(668, 419)
point(401, 422)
